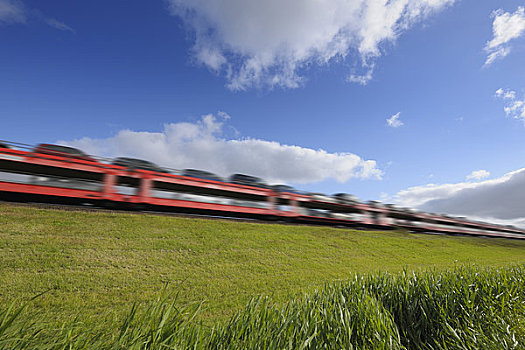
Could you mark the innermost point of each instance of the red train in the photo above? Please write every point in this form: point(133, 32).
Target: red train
point(52, 173)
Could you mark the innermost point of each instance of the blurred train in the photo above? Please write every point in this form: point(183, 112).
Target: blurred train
point(60, 174)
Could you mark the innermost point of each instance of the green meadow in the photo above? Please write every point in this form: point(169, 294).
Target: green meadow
point(93, 262)
point(92, 267)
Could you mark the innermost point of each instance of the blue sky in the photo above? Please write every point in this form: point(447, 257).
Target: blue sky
point(297, 91)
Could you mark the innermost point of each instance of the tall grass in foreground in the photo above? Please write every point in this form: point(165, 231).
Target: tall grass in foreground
point(464, 308)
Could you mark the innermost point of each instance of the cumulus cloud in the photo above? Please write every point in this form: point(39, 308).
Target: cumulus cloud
point(202, 145)
point(269, 43)
point(478, 175)
point(505, 27)
point(514, 107)
point(497, 200)
point(12, 11)
point(394, 121)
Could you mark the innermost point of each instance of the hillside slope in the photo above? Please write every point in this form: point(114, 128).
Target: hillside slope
point(93, 262)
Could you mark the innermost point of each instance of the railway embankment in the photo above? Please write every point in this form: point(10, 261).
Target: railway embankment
point(93, 266)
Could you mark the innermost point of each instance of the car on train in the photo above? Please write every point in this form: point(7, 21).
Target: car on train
point(201, 174)
point(248, 180)
point(71, 177)
point(62, 151)
point(138, 164)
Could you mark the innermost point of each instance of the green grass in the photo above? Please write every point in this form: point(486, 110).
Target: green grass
point(456, 309)
point(100, 263)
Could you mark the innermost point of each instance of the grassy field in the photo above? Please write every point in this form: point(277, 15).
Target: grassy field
point(455, 309)
point(99, 263)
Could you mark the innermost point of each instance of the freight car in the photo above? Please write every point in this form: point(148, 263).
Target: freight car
point(63, 174)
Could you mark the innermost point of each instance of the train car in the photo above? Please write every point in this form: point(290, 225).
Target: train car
point(55, 173)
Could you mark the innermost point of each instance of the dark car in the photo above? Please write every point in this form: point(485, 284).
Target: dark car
point(321, 197)
point(285, 188)
point(346, 198)
point(134, 163)
point(201, 174)
point(241, 179)
point(376, 204)
point(62, 151)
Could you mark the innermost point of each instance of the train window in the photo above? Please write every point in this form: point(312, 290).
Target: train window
point(16, 178)
point(52, 181)
point(127, 185)
point(66, 182)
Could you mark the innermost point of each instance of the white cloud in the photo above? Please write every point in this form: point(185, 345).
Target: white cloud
point(384, 197)
point(12, 11)
point(505, 27)
point(514, 107)
point(394, 121)
point(202, 145)
point(269, 43)
point(498, 199)
point(497, 54)
point(478, 175)
point(59, 25)
point(506, 94)
point(362, 79)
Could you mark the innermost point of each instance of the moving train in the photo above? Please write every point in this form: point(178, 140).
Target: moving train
point(60, 174)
